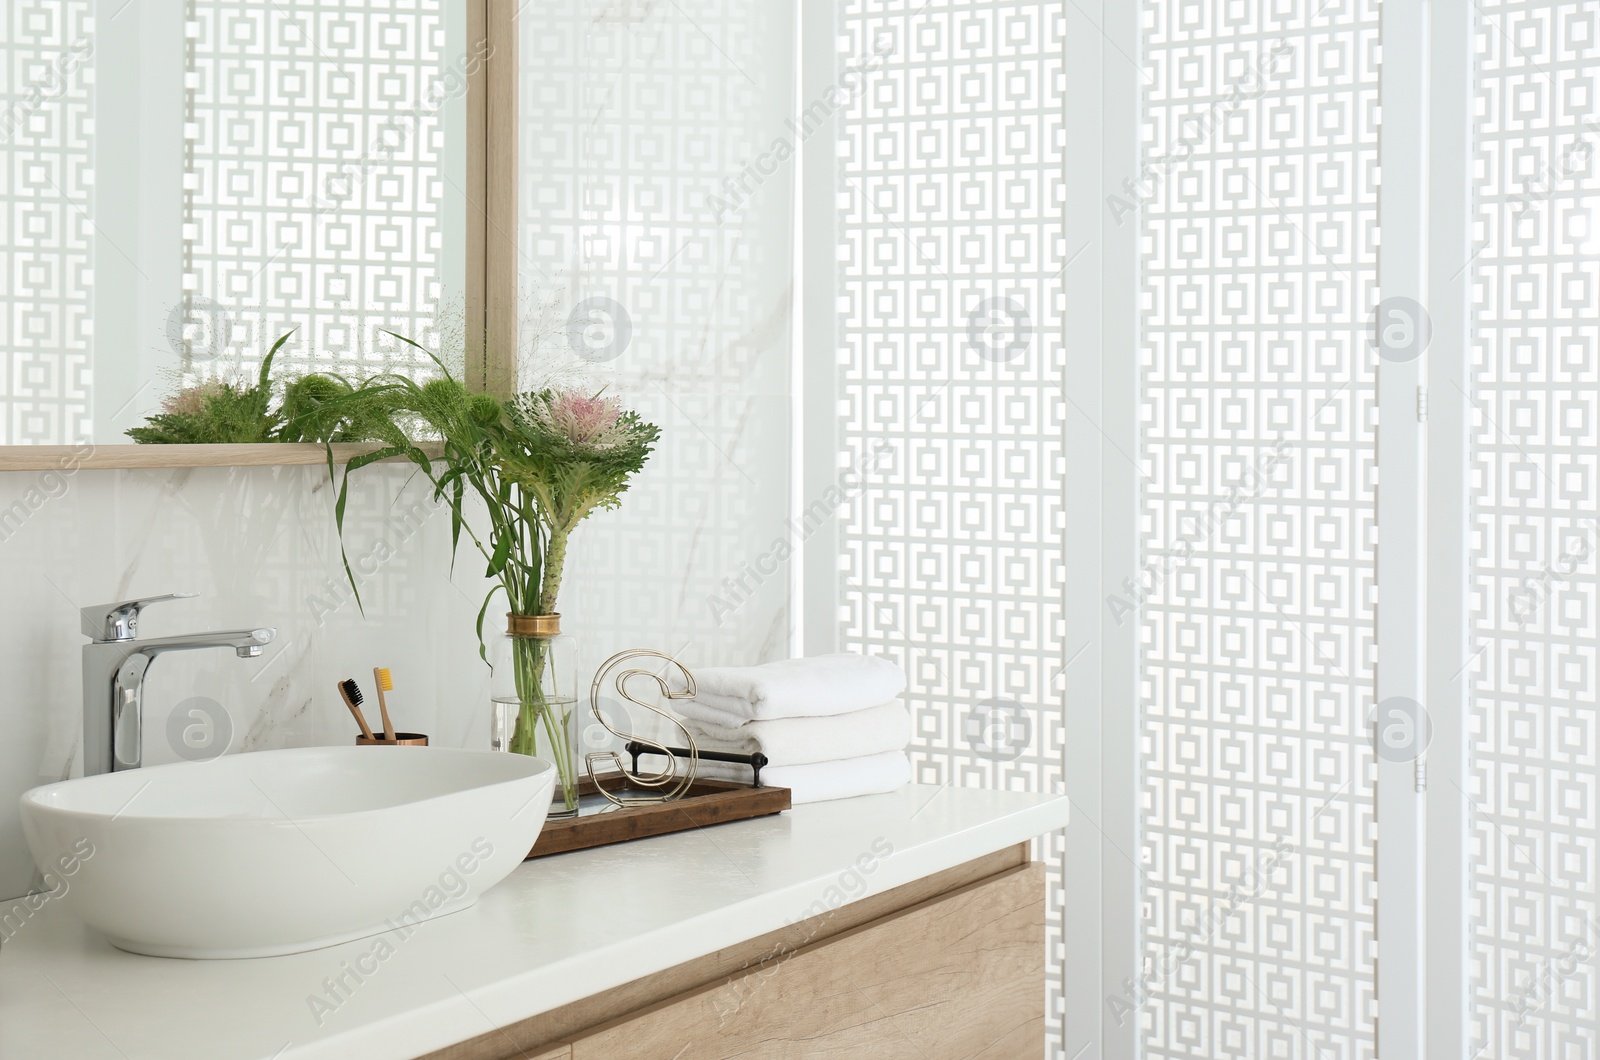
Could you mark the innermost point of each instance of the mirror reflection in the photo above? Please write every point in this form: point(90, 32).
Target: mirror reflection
point(190, 182)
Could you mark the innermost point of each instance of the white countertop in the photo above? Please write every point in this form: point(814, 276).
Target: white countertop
point(557, 930)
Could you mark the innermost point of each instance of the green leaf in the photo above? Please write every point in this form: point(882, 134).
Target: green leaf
point(502, 551)
point(266, 362)
point(356, 463)
point(483, 645)
point(456, 501)
point(424, 349)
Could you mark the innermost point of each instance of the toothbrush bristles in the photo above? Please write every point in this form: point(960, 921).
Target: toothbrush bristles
point(385, 681)
point(352, 690)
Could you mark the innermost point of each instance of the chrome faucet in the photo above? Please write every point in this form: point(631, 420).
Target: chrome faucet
point(114, 666)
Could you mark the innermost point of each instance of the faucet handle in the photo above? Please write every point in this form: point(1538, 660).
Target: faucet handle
point(120, 621)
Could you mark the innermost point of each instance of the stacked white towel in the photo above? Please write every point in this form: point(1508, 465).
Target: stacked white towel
point(830, 726)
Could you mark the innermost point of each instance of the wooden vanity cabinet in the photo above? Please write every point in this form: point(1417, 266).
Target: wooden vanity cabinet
point(950, 967)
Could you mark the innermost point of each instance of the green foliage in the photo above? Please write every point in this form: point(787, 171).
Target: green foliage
point(391, 411)
point(310, 409)
point(539, 464)
point(215, 412)
point(211, 413)
point(574, 454)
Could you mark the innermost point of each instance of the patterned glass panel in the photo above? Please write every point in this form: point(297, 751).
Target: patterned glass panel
point(314, 183)
point(1536, 381)
point(1255, 600)
point(952, 262)
point(46, 240)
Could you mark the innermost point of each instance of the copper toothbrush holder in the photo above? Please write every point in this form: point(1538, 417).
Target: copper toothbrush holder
point(401, 739)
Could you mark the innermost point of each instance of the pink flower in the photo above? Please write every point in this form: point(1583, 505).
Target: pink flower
point(191, 401)
point(584, 420)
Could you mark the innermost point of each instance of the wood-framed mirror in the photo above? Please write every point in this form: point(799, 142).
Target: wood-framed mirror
point(191, 181)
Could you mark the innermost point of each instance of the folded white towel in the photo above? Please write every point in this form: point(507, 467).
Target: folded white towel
point(801, 741)
point(821, 781)
point(796, 688)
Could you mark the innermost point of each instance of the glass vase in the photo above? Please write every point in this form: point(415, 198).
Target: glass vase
point(534, 700)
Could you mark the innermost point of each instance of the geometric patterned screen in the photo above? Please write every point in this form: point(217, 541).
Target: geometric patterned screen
point(1535, 775)
point(952, 356)
point(1255, 597)
point(314, 185)
point(46, 240)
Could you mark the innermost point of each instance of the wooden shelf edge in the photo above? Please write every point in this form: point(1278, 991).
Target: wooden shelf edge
point(86, 456)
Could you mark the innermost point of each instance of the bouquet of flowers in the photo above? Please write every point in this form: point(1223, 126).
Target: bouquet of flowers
point(540, 462)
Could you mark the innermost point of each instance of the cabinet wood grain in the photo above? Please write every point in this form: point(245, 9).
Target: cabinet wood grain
point(957, 977)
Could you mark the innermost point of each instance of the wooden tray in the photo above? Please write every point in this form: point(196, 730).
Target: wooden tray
point(706, 802)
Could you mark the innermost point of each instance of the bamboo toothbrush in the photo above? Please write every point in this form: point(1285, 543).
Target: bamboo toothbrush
point(385, 681)
point(350, 692)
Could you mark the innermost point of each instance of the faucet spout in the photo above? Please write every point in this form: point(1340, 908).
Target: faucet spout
point(247, 643)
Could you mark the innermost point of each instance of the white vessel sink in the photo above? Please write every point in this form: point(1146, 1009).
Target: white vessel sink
point(272, 852)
